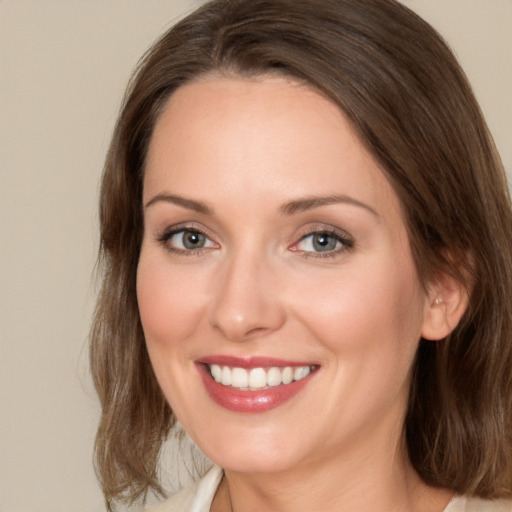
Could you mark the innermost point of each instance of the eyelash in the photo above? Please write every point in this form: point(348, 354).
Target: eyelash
point(346, 242)
point(175, 230)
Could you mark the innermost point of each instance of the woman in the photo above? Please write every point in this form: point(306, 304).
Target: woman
point(306, 243)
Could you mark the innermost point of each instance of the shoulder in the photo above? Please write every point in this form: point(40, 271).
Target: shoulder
point(479, 505)
point(471, 504)
point(182, 501)
point(195, 498)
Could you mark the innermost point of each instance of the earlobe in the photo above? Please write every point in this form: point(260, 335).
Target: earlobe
point(445, 305)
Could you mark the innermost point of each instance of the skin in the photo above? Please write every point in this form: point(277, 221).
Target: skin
point(244, 148)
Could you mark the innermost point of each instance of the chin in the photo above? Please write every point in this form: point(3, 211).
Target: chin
point(261, 462)
point(252, 452)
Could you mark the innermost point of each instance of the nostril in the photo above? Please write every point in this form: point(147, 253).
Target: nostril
point(257, 330)
point(239, 331)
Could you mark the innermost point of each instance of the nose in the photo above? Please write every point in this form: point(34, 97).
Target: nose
point(246, 301)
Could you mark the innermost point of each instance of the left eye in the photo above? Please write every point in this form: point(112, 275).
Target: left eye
point(320, 242)
point(188, 240)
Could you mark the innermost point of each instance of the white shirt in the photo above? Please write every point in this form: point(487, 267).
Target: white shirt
point(199, 496)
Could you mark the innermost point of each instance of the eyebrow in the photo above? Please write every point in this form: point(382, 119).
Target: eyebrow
point(290, 208)
point(189, 204)
point(308, 203)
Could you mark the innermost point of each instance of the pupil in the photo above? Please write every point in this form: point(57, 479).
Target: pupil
point(324, 242)
point(193, 239)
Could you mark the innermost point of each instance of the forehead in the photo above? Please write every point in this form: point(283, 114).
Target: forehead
point(238, 135)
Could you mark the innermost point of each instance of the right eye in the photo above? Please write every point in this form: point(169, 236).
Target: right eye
point(186, 240)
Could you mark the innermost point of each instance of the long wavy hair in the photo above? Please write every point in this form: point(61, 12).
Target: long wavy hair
point(412, 107)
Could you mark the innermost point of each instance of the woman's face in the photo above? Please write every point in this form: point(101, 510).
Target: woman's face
point(275, 257)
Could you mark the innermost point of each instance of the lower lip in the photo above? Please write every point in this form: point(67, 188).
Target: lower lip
point(237, 400)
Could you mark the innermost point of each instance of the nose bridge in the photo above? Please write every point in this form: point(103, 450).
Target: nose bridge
point(246, 302)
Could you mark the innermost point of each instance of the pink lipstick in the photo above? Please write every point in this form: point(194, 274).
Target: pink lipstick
point(255, 384)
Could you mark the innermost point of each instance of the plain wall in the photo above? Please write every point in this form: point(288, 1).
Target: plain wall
point(63, 68)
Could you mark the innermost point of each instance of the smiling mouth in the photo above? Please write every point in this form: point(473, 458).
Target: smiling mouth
point(260, 378)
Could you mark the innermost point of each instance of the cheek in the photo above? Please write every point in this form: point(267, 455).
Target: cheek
point(376, 308)
point(169, 304)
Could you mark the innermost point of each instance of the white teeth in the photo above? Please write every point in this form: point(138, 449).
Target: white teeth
point(257, 378)
point(287, 375)
point(216, 371)
point(239, 378)
point(226, 376)
point(274, 377)
point(298, 373)
point(301, 372)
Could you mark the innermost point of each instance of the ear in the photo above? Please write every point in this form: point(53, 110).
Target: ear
point(446, 302)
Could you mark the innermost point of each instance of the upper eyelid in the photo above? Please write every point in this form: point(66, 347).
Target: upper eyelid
point(325, 228)
point(346, 239)
point(333, 234)
point(164, 237)
point(174, 231)
point(176, 228)
point(165, 233)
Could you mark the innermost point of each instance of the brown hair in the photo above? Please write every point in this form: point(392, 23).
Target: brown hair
point(412, 107)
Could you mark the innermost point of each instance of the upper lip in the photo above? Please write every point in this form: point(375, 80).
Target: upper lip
point(251, 362)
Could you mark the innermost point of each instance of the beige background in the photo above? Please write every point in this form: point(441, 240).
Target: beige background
point(63, 66)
